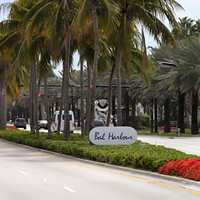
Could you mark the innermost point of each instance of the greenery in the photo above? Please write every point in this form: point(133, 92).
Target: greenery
point(172, 95)
point(139, 155)
point(108, 35)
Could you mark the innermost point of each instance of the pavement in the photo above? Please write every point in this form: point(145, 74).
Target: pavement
point(189, 145)
point(29, 174)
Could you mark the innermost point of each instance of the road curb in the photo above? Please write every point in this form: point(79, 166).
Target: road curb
point(174, 179)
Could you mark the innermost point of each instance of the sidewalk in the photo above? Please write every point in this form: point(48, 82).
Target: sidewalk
point(184, 144)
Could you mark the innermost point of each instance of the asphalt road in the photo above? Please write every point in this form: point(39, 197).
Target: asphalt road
point(27, 174)
point(189, 145)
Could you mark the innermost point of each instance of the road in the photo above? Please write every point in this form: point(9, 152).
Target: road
point(189, 145)
point(27, 174)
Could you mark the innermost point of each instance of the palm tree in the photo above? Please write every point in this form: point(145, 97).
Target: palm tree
point(59, 22)
point(9, 46)
point(11, 79)
point(3, 94)
point(99, 13)
point(186, 28)
point(164, 77)
point(29, 49)
point(188, 60)
point(184, 76)
point(146, 13)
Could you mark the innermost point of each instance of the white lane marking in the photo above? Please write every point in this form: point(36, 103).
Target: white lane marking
point(44, 180)
point(23, 172)
point(69, 189)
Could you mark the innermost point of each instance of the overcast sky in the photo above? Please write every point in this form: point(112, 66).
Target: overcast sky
point(191, 9)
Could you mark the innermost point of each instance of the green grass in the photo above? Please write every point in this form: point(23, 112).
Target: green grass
point(139, 155)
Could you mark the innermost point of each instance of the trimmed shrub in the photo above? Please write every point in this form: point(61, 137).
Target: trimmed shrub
point(139, 155)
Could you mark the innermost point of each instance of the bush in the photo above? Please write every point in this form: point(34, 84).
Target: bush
point(139, 155)
point(141, 122)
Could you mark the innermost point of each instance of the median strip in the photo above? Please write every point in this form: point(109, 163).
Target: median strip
point(138, 155)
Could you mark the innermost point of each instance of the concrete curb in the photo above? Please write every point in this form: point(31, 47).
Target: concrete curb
point(174, 179)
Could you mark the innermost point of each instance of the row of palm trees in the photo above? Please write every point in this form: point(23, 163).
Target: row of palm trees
point(41, 32)
point(176, 78)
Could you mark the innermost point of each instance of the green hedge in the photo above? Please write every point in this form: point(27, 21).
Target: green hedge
point(139, 155)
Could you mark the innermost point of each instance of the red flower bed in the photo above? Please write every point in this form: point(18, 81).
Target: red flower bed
point(189, 168)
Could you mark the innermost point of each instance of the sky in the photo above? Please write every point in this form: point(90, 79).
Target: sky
point(191, 9)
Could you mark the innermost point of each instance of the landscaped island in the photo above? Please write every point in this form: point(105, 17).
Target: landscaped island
point(139, 155)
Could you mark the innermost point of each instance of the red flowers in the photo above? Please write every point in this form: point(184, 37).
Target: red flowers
point(189, 168)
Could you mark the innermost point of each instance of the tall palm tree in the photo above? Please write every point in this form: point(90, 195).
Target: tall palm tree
point(188, 60)
point(57, 16)
point(184, 76)
point(98, 12)
point(147, 13)
point(28, 49)
point(9, 47)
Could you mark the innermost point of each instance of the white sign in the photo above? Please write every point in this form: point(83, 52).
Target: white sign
point(121, 135)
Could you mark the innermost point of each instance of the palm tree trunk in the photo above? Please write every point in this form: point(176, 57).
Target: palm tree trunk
point(119, 85)
point(118, 59)
point(195, 102)
point(96, 56)
point(88, 105)
point(110, 95)
point(33, 98)
point(3, 99)
point(151, 110)
point(156, 115)
point(47, 107)
point(60, 115)
point(82, 100)
point(114, 109)
point(31, 102)
point(133, 105)
point(167, 128)
point(127, 102)
point(61, 104)
point(66, 76)
point(181, 112)
point(37, 105)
